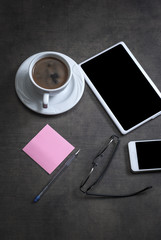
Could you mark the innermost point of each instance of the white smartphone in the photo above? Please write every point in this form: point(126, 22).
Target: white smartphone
point(145, 155)
point(122, 86)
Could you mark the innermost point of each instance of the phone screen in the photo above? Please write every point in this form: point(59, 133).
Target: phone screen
point(123, 86)
point(149, 154)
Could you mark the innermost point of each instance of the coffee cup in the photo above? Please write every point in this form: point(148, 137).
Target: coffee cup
point(49, 73)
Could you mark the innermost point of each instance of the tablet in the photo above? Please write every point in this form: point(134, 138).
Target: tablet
point(122, 86)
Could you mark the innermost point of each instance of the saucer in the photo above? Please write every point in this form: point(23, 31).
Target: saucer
point(60, 102)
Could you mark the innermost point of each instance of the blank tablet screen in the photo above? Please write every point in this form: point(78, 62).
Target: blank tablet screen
point(123, 86)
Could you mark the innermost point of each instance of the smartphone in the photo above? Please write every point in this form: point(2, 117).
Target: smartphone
point(145, 155)
point(122, 86)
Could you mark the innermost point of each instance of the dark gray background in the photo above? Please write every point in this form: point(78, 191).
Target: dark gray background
point(79, 29)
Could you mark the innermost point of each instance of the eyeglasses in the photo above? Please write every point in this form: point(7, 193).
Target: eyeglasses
point(112, 142)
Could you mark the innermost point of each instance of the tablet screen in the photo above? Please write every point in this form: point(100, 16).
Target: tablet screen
point(123, 86)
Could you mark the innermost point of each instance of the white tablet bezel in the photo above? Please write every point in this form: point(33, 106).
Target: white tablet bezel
point(104, 104)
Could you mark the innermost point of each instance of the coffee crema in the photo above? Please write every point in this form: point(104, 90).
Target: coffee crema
point(50, 73)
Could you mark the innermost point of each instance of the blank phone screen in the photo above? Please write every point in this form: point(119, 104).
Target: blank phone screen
point(123, 86)
point(149, 154)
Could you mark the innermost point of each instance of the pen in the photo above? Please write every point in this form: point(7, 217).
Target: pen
point(68, 162)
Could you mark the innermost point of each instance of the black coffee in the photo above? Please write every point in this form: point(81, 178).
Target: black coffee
point(50, 73)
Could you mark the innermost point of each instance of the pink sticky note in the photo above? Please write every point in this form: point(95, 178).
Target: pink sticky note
point(48, 149)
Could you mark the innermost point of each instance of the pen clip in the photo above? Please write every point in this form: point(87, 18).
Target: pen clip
point(70, 159)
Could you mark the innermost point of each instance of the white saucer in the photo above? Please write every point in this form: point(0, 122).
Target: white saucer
point(59, 103)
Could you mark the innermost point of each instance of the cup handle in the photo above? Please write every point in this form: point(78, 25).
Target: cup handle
point(45, 100)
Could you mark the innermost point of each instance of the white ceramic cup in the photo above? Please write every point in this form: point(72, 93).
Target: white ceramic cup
point(46, 93)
